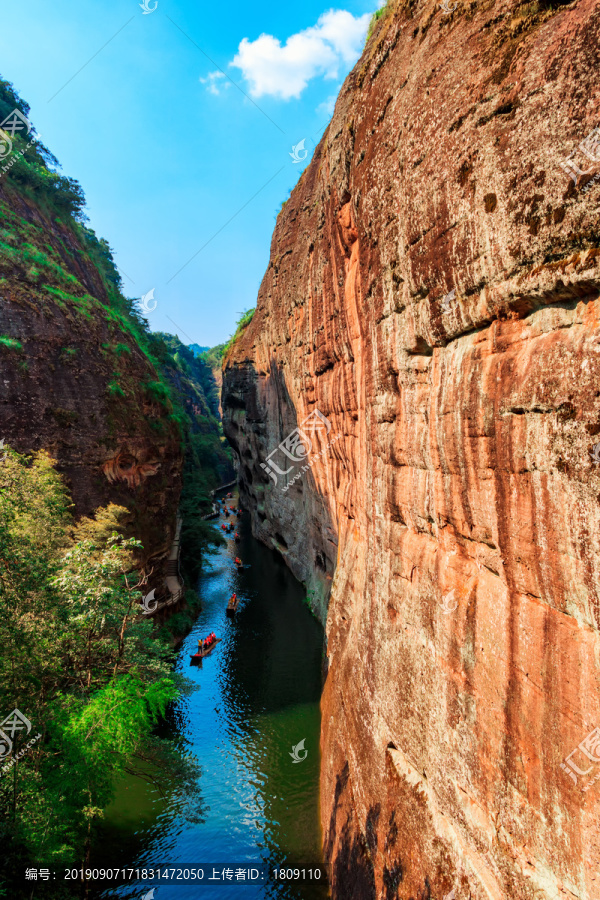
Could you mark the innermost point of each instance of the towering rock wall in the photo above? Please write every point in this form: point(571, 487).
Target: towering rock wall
point(433, 291)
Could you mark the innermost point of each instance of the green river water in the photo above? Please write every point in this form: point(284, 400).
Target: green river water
point(256, 697)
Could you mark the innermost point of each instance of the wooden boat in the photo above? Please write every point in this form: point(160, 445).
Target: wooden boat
point(202, 653)
point(232, 606)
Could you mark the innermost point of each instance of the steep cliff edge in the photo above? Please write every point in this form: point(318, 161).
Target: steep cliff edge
point(81, 375)
point(76, 382)
point(433, 292)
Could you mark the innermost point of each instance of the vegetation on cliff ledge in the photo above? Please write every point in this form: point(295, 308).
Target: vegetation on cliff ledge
point(32, 169)
point(241, 325)
point(375, 18)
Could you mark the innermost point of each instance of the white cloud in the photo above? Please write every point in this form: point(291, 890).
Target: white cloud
point(214, 81)
point(284, 70)
point(327, 106)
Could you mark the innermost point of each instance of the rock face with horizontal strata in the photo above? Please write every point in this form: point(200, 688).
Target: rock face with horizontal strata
point(433, 290)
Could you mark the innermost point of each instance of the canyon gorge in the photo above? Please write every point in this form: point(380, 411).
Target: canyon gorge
point(433, 292)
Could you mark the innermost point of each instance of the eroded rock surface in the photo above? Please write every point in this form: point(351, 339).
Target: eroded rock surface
point(433, 291)
point(75, 383)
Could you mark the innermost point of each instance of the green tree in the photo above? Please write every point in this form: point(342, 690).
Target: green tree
point(78, 661)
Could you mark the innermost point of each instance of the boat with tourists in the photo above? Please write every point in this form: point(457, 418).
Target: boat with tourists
point(206, 646)
point(232, 606)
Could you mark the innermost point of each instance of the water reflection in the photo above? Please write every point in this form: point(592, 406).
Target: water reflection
point(257, 696)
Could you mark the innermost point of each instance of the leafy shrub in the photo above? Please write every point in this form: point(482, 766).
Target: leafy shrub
point(377, 15)
point(114, 389)
point(101, 254)
point(242, 324)
point(159, 392)
point(10, 343)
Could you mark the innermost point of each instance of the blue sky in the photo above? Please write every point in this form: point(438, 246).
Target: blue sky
point(166, 148)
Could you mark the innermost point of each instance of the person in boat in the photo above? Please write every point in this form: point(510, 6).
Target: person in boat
point(238, 561)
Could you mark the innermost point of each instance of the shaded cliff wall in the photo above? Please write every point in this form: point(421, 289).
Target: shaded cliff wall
point(75, 380)
point(458, 511)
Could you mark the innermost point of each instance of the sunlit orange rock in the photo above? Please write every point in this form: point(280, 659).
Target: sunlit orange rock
point(433, 290)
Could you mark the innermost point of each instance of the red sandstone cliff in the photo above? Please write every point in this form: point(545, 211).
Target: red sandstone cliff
point(74, 380)
point(456, 517)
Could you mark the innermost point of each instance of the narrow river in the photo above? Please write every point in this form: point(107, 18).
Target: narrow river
point(256, 697)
